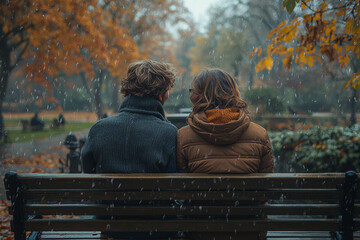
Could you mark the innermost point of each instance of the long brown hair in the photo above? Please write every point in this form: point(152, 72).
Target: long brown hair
point(215, 88)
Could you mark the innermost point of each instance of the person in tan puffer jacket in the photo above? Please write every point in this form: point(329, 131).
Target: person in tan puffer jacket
point(220, 137)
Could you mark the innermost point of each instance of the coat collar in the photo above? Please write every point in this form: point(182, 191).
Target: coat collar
point(219, 134)
point(143, 105)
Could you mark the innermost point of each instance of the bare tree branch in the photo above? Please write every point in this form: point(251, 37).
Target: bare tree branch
point(84, 82)
point(16, 30)
point(19, 57)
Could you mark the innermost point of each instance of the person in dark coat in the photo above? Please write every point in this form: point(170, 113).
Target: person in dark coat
point(36, 123)
point(61, 120)
point(139, 139)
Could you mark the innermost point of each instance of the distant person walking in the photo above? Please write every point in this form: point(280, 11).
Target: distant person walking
point(220, 137)
point(61, 120)
point(105, 115)
point(36, 123)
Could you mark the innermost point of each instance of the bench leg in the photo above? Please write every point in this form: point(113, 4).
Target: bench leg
point(347, 204)
point(17, 204)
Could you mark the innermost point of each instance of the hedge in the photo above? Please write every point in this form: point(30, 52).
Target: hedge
point(335, 149)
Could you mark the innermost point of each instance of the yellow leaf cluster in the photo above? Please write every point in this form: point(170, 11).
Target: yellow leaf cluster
point(354, 81)
point(330, 31)
point(264, 63)
point(344, 60)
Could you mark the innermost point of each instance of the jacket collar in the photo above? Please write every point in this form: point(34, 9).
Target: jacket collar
point(219, 134)
point(143, 105)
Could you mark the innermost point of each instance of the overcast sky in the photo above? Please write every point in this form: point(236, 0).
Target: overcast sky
point(199, 10)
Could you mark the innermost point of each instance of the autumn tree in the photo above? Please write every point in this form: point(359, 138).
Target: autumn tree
point(148, 23)
point(44, 38)
point(120, 47)
point(325, 28)
point(234, 29)
point(221, 46)
point(255, 18)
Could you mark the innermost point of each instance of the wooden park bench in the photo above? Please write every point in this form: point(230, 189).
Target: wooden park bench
point(25, 124)
point(322, 205)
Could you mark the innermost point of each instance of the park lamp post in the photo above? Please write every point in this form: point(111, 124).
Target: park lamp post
point(73, 156)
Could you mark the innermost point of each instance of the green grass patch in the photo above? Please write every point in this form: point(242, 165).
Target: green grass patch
point(16, 122)
point(17, 135)
point(12, 123)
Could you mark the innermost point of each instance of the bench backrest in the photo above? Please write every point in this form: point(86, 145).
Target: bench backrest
point(183, 202)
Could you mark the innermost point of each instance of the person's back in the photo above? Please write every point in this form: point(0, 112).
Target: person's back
point(220, 137)
point(36, 123)
point(239, 146)
point(138, 139)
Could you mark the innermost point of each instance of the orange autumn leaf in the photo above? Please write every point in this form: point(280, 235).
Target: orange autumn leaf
point(257, 51)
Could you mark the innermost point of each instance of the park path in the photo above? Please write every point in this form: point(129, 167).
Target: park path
point(34, 156)
point(28, 149)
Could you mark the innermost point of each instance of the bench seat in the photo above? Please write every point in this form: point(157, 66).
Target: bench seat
point(324, 204)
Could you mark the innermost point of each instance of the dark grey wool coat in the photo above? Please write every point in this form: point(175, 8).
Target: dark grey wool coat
point(137, 140)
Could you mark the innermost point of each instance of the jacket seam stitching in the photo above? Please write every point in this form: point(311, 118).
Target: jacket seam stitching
point(202, 143)
point(214, 157)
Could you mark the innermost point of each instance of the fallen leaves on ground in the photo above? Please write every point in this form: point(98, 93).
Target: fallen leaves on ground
point(50, 161)
point(69, 116)
point(5, 230)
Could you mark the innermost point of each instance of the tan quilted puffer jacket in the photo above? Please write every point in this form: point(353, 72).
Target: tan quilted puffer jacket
point(238, 146)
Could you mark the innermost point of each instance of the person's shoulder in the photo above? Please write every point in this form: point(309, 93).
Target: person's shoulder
point(186, 135)
point(257, 132)
point(101, 123)
point(185, 130)
point(166, 124)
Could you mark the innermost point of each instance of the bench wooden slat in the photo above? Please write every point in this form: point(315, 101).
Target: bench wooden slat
point(195, 225)
point(109, 210)
point(298, 234)
point(184, 195)
point(181, 181)
point(72, 235)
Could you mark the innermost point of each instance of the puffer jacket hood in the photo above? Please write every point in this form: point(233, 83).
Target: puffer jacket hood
point(218, 134)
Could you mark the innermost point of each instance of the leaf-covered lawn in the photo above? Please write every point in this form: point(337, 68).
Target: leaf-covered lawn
point(17, 135)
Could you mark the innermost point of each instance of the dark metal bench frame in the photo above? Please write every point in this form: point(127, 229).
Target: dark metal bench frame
point(130, 187)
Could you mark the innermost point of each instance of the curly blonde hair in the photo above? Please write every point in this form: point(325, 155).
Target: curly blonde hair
point(148, 78)
point(215, 88)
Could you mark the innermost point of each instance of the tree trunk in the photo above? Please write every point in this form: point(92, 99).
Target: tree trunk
point(115, 96)
point(250, 81)
point(5, 69)
point(353, 106)
point(87, 89)
point(97, 84)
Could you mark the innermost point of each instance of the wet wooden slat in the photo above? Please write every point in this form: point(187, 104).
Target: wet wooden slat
point(195, 225)
point(159, 211)
point(188, 181)
point(183, 195)
point(72, 235)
